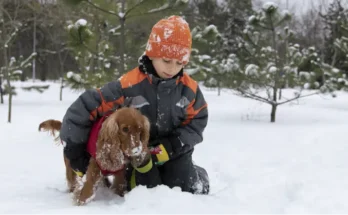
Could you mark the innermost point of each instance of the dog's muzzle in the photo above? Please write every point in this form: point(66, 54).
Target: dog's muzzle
point(136, 151)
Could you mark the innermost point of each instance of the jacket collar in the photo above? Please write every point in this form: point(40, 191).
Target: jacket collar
point(145, 66)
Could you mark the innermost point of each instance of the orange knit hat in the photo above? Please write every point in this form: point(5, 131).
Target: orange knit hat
point(170, 38)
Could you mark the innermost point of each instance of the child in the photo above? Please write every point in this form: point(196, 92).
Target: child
point(164, 93)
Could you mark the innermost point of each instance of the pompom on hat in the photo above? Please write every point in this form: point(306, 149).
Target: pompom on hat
point(170, 38)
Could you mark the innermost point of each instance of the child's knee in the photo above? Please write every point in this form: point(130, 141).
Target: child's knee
point(201, 186)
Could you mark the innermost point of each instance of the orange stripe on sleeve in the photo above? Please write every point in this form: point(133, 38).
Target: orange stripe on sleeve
point(105, 106)
point(191, 112)
point(131, 78)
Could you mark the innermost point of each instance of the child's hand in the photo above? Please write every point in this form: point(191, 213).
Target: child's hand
point(165, 148)
point(159, 154)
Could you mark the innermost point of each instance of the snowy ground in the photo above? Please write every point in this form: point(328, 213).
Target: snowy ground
point(298, 165)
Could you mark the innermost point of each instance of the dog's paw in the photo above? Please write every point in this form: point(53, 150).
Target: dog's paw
point(120, 190)
point(81, 202)
point(83, 193)
point(83, 197)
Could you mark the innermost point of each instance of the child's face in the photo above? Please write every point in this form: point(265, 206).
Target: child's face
point(166, 67)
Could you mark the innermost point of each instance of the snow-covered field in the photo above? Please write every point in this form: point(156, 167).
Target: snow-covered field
point(297, 165)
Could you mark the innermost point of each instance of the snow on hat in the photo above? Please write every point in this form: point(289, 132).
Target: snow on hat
point(170, 38)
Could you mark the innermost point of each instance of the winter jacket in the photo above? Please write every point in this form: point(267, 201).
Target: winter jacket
point(176, 108)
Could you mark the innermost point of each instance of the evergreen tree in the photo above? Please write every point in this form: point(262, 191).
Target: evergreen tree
point(96, 65)
point(209, 62)
point(12, 68)
point(12, 72)
point(274, 62)
point(238, 13)
point(129, 9)
point(228, 16)
point(336, 24)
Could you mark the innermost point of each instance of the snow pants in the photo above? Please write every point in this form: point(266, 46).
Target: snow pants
point(177, 172)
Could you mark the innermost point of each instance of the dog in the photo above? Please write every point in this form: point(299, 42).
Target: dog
point(122, 139)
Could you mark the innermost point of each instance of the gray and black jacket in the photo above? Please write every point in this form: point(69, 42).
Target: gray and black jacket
point(176, 109)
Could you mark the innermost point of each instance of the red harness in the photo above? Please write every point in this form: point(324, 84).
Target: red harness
point(92, 143)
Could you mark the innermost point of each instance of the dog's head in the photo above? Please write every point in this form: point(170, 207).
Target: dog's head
point(124, 133)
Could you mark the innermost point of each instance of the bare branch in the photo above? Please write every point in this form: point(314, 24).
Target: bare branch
point(11, 37)
point(54, 52)
point(254, 96)
point(153, 12)
point(134, 6)
point(298, 97)
point(8, 15)
point(24, 63)
point(99, 8)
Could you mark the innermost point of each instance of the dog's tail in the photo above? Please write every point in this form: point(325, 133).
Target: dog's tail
point(52, 126)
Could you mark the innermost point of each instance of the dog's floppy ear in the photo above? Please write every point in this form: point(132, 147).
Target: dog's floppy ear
point(109, 155)
point(109, 129)
point(145, 133)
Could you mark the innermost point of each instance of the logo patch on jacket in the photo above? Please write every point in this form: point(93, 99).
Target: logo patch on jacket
point(183, 102)
point(136, 102)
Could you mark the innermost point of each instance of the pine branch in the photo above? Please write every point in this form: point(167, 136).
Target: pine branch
point(99, 8)
point(12, 36)
point(153, 12)
point(133, 7)
point(252, 43)
point(7, 14)
point(24, 63)
point(264, 27)
point(54, 52)
point(93, 52)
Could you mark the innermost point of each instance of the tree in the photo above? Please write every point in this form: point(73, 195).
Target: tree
point(12, 68)
point(209, 62)
point(274, 62)
point(125, 10)
point(309, 28)
point(12, 71)
point(229, 17)
point(94, 55)
point(8, 31)
point(53, 27)
point(336, 24)
point(236, 20)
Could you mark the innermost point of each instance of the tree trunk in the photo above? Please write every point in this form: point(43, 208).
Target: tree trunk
point(280, 94)
point(219, 88)
point(273, 112)
point(122, 39)
point(61, 89)
point(44, 69)
point(34, 50)
point(8, 77)
point(61, 74)
point(20, 52)
point(1, 92)
point(9, 117)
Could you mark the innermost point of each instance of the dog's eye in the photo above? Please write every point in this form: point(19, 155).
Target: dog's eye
point(125, 129)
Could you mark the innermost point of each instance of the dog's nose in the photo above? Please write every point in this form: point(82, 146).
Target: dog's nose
point(137, 150)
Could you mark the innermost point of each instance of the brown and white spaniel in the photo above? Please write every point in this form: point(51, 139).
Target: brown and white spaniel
point(123, 138)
